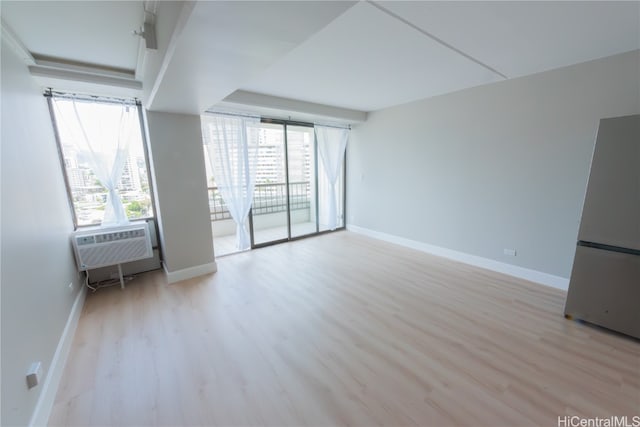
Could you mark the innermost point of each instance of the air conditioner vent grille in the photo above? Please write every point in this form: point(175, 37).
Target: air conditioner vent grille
point(104, 247)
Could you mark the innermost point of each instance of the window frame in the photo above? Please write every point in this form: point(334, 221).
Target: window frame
point(49, 95)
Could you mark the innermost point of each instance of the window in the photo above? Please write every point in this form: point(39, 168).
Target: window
point(99, 140)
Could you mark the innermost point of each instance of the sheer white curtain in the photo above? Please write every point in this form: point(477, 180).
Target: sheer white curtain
point(102, 137)
point(232, 146)
point(332, 142)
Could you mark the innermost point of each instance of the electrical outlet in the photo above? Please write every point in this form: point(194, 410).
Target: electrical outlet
point(34, 374)
point(510, 252)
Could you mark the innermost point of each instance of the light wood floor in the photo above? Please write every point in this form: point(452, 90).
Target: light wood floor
point(341, 330)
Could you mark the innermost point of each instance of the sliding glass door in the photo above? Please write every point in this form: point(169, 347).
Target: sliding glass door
point(292, 194)
point(284, 203)
point(269, 211)
point(302, 180)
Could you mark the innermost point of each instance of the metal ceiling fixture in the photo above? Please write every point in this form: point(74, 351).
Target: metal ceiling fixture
point(148, 30)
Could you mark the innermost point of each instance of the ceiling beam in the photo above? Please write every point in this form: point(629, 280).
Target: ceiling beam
point(83, 67)
point(85, 77)
point(183, 18)
point(283, 107)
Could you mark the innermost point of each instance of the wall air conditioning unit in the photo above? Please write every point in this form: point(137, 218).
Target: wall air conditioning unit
point(102, 247)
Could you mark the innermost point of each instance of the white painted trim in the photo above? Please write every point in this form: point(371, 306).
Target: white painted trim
point(42, 411)
point(15, 43)
point(78, 76)
point(477, 261)
point(188, 273)
point(98, 70)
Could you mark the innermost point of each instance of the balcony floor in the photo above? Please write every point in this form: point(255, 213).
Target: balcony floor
point(225, 245)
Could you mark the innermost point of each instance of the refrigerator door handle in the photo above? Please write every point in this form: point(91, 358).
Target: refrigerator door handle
point(610, 248)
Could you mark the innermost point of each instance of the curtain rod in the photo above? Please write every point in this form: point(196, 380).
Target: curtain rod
point(333, 125)
point(232, 114)
point(94, 98)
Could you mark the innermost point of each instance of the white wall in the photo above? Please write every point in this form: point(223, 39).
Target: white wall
point(493, 167)
point(37, 261)
point(177, 163)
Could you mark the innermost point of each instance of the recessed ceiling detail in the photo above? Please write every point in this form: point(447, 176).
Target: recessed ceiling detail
point(92, 32)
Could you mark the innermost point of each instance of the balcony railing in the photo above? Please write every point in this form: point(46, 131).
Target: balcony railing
point(267, 199)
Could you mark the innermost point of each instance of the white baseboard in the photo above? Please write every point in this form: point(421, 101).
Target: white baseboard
point(42, 411)
point(188, 273)
point(489, 264)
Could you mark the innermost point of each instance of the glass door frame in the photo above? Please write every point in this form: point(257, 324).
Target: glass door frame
point(317, 232)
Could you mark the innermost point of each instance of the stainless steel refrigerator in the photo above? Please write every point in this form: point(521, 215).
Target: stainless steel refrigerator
point(604, 288)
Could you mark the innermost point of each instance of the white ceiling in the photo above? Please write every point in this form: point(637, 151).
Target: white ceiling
point(225, 44)
point(359, 56)
point(526, 37)
point(369, 59)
